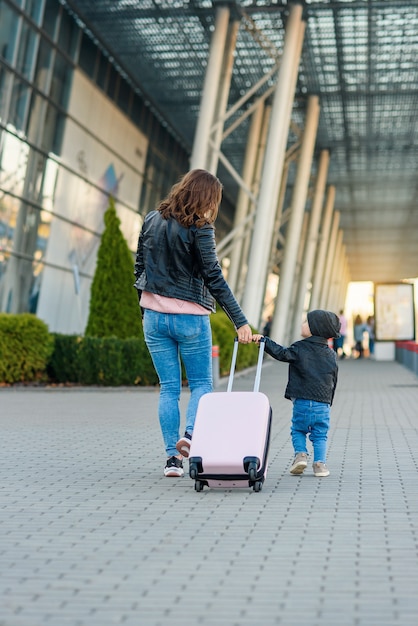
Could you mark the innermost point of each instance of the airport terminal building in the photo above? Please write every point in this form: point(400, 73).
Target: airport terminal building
point(305, 110)
point(73, 129)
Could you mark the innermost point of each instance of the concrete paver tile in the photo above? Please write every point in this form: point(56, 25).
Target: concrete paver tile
point(91, 533)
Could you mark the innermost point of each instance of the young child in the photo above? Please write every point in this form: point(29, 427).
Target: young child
point(311, 386)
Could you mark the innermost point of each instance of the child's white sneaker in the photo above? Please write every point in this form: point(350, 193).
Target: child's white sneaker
point(299, 464)
point(320, 469)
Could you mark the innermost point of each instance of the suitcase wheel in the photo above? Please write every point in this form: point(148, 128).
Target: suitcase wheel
point(258, 485)
point(195, 466)
point(198, 485)
point(251, 465)
point(193, 470)
point(252, 471)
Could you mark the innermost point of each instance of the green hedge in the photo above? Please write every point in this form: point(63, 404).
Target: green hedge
point(28, 352)
point(106, 361)
point(25, 347)
point(111, 361)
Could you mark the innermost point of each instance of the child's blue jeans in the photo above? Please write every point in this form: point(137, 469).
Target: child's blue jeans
point(169, 336)
point(310, 418)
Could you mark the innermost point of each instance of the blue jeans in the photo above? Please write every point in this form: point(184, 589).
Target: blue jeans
point(169, 336)
point(310, 417)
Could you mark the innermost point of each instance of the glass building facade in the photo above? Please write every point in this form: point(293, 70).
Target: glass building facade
point(73, 129)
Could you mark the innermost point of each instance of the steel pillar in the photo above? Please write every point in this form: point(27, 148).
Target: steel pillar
point(344, 282)
point(296, 282)
point(312, 240)
point(243, 201)
point(336, 275)
point(329, 260)
point(300, 192)
point(222, 99)
point(272, 167)
point(318, 274)
point(200, 156)
point(261, 149)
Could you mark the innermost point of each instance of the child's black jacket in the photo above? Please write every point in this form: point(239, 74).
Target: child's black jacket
point(313, 369)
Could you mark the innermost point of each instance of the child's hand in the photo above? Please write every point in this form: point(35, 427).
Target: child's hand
point(257, 338)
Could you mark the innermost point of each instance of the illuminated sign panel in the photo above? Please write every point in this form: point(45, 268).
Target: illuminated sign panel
point(394, 312)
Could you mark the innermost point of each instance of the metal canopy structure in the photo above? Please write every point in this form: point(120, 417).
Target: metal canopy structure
point(359, 56)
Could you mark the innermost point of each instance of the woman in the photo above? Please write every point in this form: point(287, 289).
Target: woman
point(359, 329)
point(371, 333)
point(178, 278)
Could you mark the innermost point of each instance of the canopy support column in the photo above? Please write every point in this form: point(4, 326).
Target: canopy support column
point(318, 274)
point(300, 192)
point(200, 156)
point(312, 240)
point(272, 167)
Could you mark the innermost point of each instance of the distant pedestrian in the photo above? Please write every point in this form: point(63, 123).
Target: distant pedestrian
point(267, 327)
point(371, 334)
point(313, 373)
point(339, 341)
point(358, 331)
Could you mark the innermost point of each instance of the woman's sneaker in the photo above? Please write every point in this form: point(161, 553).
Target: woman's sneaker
point(183, 445)
point(320, 469)
point(299, 464)
point(174, 467)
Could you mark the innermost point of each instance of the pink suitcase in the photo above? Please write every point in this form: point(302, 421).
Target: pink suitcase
point(231, 436)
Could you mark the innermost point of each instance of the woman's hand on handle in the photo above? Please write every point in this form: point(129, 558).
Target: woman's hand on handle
point(245, 334)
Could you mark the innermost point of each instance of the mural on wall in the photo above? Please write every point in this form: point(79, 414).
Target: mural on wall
point(85, 244)
point(103, 153)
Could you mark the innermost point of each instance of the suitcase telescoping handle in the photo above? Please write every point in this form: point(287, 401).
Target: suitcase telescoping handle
point(259, 365)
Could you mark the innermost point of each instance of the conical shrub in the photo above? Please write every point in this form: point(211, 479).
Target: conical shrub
point(114, 309)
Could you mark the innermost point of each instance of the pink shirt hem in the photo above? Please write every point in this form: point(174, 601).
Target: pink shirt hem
point(163, 304)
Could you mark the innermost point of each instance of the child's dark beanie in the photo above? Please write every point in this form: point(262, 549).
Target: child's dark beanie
point(324, 323)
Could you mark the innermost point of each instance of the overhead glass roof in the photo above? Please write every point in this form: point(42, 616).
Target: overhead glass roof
point(359, 56)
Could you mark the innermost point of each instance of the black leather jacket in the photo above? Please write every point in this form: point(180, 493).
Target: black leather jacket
point(180, 262)
point(313, 369)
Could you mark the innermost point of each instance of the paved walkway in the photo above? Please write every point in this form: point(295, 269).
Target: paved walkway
point(92, 534)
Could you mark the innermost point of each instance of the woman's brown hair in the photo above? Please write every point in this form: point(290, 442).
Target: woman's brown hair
point(195, 199)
